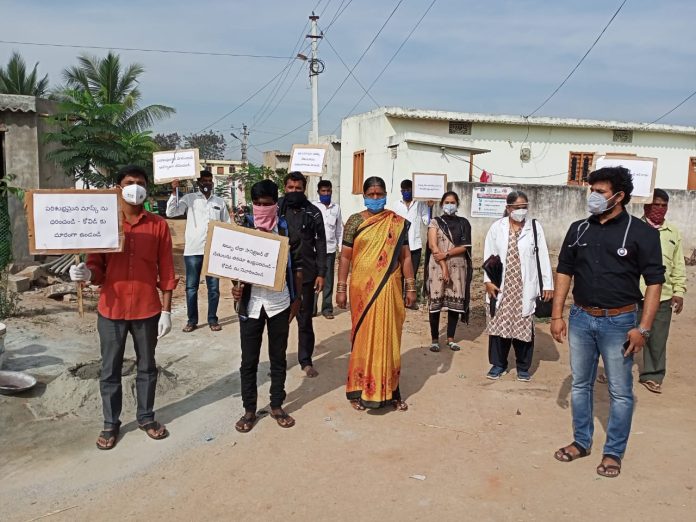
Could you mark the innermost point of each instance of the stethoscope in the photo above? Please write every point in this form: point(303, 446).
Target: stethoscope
point(582, 228)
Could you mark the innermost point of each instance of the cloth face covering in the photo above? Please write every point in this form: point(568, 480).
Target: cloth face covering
point(295, 199)
point(265, 217)
point(407, 195)
point(655, 215)
point(325, 198)
point(518, 214)
point(375, 205)
point(134, 194)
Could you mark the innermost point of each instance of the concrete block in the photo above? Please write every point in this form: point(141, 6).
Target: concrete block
point(34, 273)
point(18, 283)
point(56, 291)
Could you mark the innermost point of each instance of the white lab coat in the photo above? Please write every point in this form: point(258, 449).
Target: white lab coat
point(497, 243)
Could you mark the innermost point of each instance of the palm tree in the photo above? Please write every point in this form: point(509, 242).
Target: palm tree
point(14, 78)
point(108, 83)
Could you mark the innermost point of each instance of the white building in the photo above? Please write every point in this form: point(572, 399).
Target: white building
point(223, 172)
point(393, 143)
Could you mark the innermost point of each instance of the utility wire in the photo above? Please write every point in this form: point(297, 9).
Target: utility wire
point(342, 83)
point(387, 65)
point(579, 63)
point(169, 51)
point(673, 108)
point(280, 100)
point(350, 72)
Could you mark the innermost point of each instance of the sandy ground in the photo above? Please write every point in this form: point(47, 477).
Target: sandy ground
point(484, 449)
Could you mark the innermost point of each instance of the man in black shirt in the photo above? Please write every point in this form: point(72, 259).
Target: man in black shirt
point(606, 254)
point(308, 238)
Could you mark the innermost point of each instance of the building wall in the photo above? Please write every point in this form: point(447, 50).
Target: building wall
point(557, 206)
point(548, 165)
point(333, 168)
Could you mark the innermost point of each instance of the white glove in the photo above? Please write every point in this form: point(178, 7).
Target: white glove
point(80, 273)
point(165, 324)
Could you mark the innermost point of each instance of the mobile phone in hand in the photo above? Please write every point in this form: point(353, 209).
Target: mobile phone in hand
point(625, 346)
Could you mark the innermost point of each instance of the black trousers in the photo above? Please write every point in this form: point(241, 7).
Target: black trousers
point(112, 338)
point(499, 348)
point(452, 318)
point(305, 329)
point(251, 333)
point(415, 261)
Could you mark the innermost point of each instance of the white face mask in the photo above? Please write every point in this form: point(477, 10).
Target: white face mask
point(134, 194)
point(598, 204)
point(518, 214)
point(449, 208)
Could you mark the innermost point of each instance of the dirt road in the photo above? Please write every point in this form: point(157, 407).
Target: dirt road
point(482, 450)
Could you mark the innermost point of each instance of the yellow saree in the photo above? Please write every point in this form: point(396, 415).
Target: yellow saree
point(377, 309)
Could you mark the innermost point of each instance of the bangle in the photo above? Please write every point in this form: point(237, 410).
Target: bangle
point(557, 318)
point(339, 291)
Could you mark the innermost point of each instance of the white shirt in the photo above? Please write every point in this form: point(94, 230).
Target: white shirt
point(416, 213)
point(268, 299)
point(333, 225)
point(202, 210)
point(497, 243)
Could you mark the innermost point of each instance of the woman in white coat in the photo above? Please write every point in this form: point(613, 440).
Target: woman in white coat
point(512, 238)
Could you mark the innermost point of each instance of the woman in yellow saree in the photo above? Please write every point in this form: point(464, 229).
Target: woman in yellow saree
point(375, 246)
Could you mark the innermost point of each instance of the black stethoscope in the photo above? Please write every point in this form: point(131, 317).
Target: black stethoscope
point(582, 228)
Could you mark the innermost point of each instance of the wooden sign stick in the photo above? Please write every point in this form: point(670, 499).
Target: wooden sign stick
point(80, 303)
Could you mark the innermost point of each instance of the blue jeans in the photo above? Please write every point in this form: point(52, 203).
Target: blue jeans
point(194, 265)
point(589, 337)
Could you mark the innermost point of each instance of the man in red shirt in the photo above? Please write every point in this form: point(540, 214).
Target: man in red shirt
point(130, 302)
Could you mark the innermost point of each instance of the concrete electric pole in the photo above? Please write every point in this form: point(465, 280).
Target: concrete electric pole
point(316, 67)
point(245, 143)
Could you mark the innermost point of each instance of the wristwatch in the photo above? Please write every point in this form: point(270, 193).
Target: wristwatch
point(645, 333)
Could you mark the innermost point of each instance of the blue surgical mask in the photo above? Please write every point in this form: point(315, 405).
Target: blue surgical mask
point(449, 208)
point(325, 198)
point(375, 205)
point(407, 195)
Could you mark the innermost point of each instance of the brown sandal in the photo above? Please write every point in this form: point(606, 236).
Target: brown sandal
point(357, 405)
point(159, 429)
point(189, 328)
point(399, 405)
point(653, 386)
point(215, 327)
point(563, 455)
point(246, 424)
point(609, 470)
point(108, 436)
point(283, 419)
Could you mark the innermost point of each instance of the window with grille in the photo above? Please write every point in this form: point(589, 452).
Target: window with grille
point(233, 169)
point(691, 180)
point(579, 166)
point(460, 127)
point(358, 171)
point(623, 136)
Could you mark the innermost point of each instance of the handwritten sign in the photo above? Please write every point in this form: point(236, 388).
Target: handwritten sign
point(175, 164)
point(245, 254)
point(429, 186)
point(74, 221)
point(489, 201)
point(643, 171)
point(308, 159)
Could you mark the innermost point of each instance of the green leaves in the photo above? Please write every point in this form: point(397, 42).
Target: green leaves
point(15, 80)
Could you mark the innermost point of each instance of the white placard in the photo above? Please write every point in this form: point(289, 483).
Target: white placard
point(308, 160)
point(489, 201)
point(175, 164)
point(79, 221)
point(429, 186)
point(245, 255)
point(642, 172)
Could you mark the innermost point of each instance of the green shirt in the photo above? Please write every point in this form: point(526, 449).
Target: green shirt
point(673, 259)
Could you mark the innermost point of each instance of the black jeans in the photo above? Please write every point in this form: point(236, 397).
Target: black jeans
point(415, 261)
point(251, 333)
point(112, 338)
point(452, 318)
point(499, 348)
point(327, 293)
point(305, 329)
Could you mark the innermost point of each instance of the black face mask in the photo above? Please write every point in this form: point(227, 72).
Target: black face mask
point(295, 199)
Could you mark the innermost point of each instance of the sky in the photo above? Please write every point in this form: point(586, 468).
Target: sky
point(499, 57)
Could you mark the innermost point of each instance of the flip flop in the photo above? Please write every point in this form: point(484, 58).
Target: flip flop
point(215, 327)
point(245, 424)
point(454, 346)
point(609, 470)
point(154, 425)
point(189, 328)
point(281, 417)
point(653, 386)
point(108, 435)
point(434, 347)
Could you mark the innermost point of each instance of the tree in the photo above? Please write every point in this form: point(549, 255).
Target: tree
point(108, 83)
point(14, 78)
point(170, 141)
point(252, 173)
point(210, 145)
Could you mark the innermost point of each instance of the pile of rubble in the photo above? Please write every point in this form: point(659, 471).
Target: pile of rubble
point(50, 278)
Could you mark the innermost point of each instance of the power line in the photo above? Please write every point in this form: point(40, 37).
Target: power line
point(350, 72)
point(408, 36)
point(167, 51)
point(579, 63)
point(344, 80)
point(338, 14)
point(673, 108)
point(280, 100)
